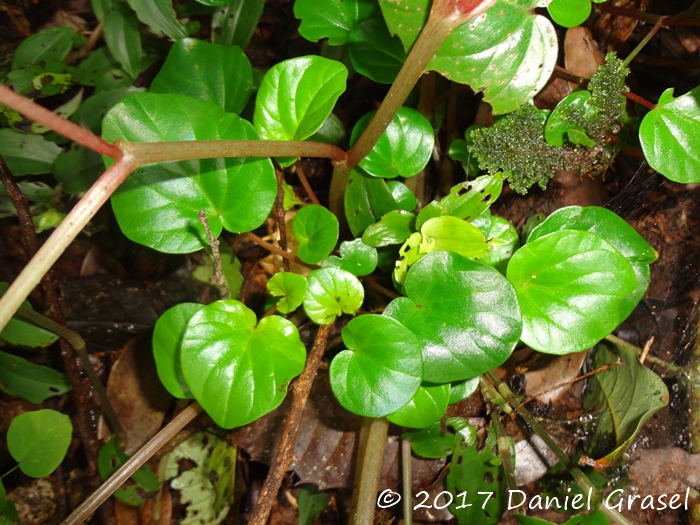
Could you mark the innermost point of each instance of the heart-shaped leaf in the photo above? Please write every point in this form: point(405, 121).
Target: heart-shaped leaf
point(332, 19)
point(570, 285)
point(394, 228)
point(669, 136)
point(403, 149)
point(367, 199)
point(569, 13)
point(426, 407)
point(332, 292)
point(158, 205)
point(39, 440)
point(614, 230)
point(356, 257)
point(167, 346)
point(380, 371)
point(236, 370)
point(316, 229)
point(373, 51)
point(219, 74)
point(464, 313)
point(297, 96)
point(290, 287)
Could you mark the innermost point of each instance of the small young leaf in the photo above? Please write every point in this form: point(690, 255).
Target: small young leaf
point(51, 44)
point(316, 229)
point(669, 136)
point(160, 16)
point(45, 79)
point(236, 370)
point(367, 199)
point(357, 258)
point(569, 13)
point(234, 24)
point(464, 313)
point(431, 443)
point(402, 195)
point(502, 241)
point(403, 149)
point(123, 38)
point(311, 504)
point(219, 74)
point(381, 370)
point(290, 287)
point(560, 121)
point(374, 52)
point(297, 96)
point(394, 228)
point(426, 407)
point(332, 19)
point(18, 332)
point(569, 285)
point(332, 292)
point(167, 346)
point(35, 383)
point(39, 440)
point(27, 154)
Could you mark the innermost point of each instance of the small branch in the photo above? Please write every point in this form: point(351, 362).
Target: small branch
point(34, 111)
point(407, 483)
point(305, 183)
point(658, 25)
point(564, 74)
point(504, 451)
point(669, 367)
point(216, 256)
point(285, 450)
point(368, 468)
point(374, 284)
point(635, 14)
point(85, 510)
point(639, 100)
point(87, 46)
point(281, 216)
point(277, 251)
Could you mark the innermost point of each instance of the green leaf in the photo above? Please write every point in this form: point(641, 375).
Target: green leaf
point(668, 135)
point(158, 205)
point(311, 504)
point(405, 18)
point(18, 332)
point(236, 370)
point(569, 13)
point(93, 110)
point(380, 371)
point(332, 292)
point(235, 23)
point(123, 38)
point(465, 314)
point(290, 287)
point(3, 497)
point(472, 470)
point(27, 154)
point(402, 195)
point(570, 285)
point(426, 407)
point(453, 235)
point(431, 443)
point(508, 52)
point(51, 44)
point(394, 228)
point(567, 117)
point(297, 96)
point(466, 200)
point(463, 389)
point(35, 383)
point(160, 16)
point(39, 440)
point(332, 131)
point(9, 515)
point(374, 52)
point(502, 241)
point(614, 230)
point(332, 19)
point(403, 149)
point(167, 347)
point(624, 397)
point(145, 482)
point(102, 71)
point(222, 473)
point(219, 74)
point(597, 517)
point(316, 229)
point(78, 168)
point(356, 257)
point(367, 199)
point(45, 79)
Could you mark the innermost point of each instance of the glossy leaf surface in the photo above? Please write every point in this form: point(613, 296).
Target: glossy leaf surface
point(367, 199)
point(405, 18)
point(332, 19)
point(463, 389)
point(158, 205)
point(290, 287)
point(560, 124)
point(380, 371)
point(453, 235)
point(374, 52)
point(39, 440)
point(426, 407)
point(404, 197)
point(570, 285)
point(465, 314)
point(502, 241)
point(316, 229)
point(236, 370)
point(394, 228)
point(160, 16)
point(35, 383)
point(332, 292)
point(27, 154)
point(297, 96)
point(356, 257)
point(569, 13)
point(219, 74)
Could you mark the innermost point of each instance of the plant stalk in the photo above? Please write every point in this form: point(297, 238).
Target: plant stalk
point(407, 484)
point(368, 469)
point(658, 25)
point(219, 278)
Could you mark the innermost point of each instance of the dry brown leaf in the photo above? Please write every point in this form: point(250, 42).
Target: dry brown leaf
point(36, 502)
point(550, 372)
point(581, 53)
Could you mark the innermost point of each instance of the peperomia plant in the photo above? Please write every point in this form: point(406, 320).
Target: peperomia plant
point(202, 142)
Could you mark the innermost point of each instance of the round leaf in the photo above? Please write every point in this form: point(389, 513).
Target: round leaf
point(39, 440)
point(316, 229)
point(426, 407)
point(569, 13)
point(380, 371)
point(394, 228)
point(158, 205)
point(290, 287)
point(236, 370)
point(297, 96)
point(356, 257)
point(403, 149)
point(332, 292)
point(219, 74)
point(402, 195)
point(465, 314)
point(167, 346)
point(569, 285)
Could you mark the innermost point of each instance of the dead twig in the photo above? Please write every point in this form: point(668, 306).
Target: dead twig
point(218, 270)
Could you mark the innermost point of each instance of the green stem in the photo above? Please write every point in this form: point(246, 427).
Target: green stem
point(407, 483)
point(658, 25)
point(505, 443)
point(368, 469)
point(336, 198)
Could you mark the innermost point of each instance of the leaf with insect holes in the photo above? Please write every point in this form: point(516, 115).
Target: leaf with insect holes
point(35, 383)
point(158, 204)
point(51, 44)
point(236, 370)
point(39, 440)
point(316, 229)
point(332, 292)
point(381, 369)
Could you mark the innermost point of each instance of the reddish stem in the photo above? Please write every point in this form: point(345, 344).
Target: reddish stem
point(639, 100)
